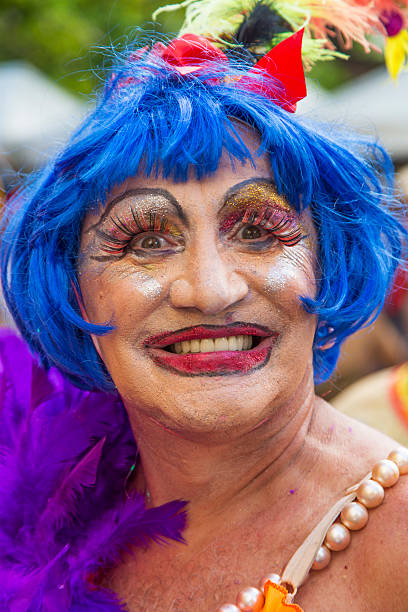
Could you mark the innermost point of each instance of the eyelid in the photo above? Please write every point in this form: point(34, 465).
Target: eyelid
point(283, 224)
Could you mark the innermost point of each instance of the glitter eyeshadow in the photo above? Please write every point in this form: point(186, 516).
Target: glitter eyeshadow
point(258, 194)
point(129, 224)
point(256, 205)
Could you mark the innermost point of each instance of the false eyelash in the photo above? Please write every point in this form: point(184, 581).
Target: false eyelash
point(284, 227)
point(116, 245)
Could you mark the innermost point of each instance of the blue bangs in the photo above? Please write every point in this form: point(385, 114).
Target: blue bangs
point(153, 121)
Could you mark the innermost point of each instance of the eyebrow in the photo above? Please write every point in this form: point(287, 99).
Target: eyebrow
point(235, 189)
point(143, 191)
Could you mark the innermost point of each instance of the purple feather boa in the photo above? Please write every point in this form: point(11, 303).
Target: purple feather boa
point(65, 455)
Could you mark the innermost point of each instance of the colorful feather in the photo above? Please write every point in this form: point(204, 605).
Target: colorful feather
point(331, 26)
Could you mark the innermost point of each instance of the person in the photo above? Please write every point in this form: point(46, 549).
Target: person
point(183, 272)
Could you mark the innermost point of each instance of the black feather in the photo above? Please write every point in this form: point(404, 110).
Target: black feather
point(260, 26)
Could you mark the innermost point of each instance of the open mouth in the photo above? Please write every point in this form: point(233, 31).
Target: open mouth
point(210, 350)
point(210, 345)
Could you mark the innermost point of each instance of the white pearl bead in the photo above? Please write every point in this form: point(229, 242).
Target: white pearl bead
point(337, 537)
point(228, 607)
point(400, 457)
point(322, 558)
point(250, 599)
point(370, 493)
point(354, 516)
point(272, 577)
point(386, 473)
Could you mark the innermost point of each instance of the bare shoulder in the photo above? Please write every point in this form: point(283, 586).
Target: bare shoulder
point(381, 548)
point(387, 546)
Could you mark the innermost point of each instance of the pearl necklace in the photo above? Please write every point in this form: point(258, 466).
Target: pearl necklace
point(352, 515)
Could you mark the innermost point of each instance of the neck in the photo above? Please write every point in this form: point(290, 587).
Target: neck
point(216, 476)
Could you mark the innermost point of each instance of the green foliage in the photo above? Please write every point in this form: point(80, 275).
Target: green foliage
point(61, 37)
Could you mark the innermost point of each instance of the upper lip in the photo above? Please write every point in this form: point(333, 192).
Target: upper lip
point(199, 332)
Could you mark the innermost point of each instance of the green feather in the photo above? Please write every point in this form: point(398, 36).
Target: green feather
point(220, 20)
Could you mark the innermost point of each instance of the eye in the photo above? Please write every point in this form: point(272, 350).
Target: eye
point(150, 242)
point(250, 232)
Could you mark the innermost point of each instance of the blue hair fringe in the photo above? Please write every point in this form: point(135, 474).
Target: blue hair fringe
point(149, 119)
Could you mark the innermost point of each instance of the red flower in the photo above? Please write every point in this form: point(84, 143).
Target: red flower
point(190, 53)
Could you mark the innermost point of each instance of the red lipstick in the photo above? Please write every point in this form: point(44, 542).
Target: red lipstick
point(217, 363)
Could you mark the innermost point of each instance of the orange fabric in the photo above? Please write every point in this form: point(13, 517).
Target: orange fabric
point(275, 599)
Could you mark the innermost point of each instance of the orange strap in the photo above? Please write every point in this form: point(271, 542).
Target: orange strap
point(275, 599)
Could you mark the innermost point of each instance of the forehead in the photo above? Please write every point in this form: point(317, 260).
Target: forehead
point(209, 190)
point(229, 173)
point(213, 187)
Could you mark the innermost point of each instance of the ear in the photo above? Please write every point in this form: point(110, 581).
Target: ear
point(322, 330)
point(85, 317)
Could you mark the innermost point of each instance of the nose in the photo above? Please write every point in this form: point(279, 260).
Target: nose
point(209, 283)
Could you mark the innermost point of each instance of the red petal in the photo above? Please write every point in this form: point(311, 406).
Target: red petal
point(191, 49)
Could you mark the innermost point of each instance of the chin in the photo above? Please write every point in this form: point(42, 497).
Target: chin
point(213, 406)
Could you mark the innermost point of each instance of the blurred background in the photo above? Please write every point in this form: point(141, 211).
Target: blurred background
point(51, 58)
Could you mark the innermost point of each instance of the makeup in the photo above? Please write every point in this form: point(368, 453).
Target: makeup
point(122, 229)
point(257, 204)
point(208, 350)
point(147, 285)
point(280, 276)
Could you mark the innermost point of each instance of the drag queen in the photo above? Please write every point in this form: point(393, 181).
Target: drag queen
point(181, 274)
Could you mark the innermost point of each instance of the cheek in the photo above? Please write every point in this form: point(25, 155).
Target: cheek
point(116, 294)
point(290, 276)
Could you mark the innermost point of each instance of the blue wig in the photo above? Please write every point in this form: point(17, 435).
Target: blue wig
point(150, 119)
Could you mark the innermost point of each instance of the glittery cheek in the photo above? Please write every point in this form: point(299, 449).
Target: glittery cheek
point(279, 277)
point(291, 272)
point(147, 285)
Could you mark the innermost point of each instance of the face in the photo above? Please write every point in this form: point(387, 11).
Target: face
point(202, 282)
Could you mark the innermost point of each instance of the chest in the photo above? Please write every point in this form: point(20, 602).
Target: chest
point(173, 579)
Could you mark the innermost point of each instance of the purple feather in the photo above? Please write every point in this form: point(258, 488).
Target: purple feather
point(64, 457)
point(62, 505)
point(129, 524)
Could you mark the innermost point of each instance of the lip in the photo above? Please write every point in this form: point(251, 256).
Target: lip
point(217, 363)
point(208, 331)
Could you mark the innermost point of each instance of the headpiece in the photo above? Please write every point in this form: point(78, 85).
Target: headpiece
point(270, 33)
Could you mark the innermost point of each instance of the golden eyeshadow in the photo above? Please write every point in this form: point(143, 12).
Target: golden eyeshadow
point(256, 195)
point(125, 225)
point(259, 204)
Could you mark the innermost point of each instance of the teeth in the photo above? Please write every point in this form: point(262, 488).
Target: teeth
point(194, 346)
point(221, 344)
point(232, 343)
point(209, 345)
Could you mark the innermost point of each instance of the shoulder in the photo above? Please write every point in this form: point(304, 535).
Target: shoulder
point(386, 548)
point(377, 560)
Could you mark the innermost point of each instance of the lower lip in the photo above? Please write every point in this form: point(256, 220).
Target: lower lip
point(217, 363)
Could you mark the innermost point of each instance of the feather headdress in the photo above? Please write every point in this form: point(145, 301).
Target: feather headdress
point(330, 26)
